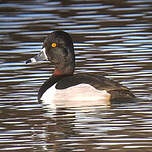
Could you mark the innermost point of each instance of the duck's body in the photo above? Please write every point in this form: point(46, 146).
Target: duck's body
point(64, 86)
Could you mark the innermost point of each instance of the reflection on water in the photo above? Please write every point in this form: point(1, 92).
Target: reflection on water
point(110, 37)
point(76, 129)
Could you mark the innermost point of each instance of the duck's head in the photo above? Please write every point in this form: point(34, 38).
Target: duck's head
point(58, 49)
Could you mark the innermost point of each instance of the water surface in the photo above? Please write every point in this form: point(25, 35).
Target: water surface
point(110, 37)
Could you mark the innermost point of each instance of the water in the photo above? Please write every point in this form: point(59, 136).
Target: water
point(110, 37)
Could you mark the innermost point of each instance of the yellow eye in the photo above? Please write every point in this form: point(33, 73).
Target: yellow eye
point(53, 44)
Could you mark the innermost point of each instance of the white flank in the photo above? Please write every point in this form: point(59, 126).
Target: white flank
point(79, 95)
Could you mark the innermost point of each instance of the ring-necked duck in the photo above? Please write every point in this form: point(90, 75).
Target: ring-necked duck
point(64, 86)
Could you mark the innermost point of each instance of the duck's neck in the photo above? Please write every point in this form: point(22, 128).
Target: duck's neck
point(64, 70)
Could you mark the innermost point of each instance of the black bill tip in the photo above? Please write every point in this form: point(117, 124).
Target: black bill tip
point(28, 61)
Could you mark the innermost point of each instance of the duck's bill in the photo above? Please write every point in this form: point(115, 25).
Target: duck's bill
point(40, 57)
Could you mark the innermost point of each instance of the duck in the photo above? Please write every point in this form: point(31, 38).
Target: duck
point(64, 87)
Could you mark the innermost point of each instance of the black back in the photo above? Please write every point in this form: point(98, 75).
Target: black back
point(117, 91)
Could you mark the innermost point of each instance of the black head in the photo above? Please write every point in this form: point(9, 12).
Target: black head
point(58, 49)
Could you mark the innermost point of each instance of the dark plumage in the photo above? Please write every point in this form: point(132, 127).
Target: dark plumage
point(58, 49)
